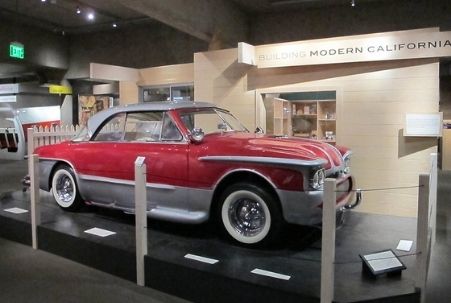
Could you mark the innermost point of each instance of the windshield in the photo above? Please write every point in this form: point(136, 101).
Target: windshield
point(212, 121)
point(81, 135)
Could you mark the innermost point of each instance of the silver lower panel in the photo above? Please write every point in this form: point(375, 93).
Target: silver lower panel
point(304, 208)
point(177, 204)
point(182, 204)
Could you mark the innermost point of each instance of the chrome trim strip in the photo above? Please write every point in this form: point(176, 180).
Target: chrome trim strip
point(180, 142)
point(125, 182)
point(265, 160)
point(340, 167)
point(347, 154)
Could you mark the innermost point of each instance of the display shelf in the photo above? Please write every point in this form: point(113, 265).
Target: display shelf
point(316, 117)
point(305, 115)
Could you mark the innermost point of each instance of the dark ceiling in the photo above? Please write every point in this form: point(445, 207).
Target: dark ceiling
point(61, 16)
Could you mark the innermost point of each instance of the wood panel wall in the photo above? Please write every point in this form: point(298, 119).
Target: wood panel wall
point(372, 99)
point(160, 75)
point(220, 79)
point(168, 74)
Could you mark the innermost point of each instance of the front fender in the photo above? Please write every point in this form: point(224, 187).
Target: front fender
point(45, 173)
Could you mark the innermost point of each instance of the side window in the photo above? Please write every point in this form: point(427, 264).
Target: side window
point(113, 130)
point(170, 132)
point(143, 127)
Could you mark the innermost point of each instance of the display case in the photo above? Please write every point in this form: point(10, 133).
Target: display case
point(315, 119)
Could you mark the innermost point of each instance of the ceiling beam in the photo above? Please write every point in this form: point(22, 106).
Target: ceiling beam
point(218, 22)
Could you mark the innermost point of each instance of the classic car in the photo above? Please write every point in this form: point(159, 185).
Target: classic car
point(202, 164)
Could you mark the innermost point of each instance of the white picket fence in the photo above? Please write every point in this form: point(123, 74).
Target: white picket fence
point(49, 135)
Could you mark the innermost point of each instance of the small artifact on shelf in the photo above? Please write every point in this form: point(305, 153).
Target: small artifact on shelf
point(313, 109)
point(299, 112)
point(329, 135)
point(306, 110)
point(330, 116)
point(313, 134)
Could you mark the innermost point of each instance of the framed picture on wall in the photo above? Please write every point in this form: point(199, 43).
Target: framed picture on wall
point(88, 105)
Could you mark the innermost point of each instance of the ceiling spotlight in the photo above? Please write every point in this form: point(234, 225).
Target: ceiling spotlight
point(114, 24)
point(43, 0)
point(90, 16)
point(353, 3)
point(78, 10)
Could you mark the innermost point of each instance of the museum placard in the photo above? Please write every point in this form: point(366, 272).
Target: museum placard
point(424, 125)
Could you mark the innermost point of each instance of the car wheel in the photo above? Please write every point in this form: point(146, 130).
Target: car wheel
point(65, 190)
point(250, 214)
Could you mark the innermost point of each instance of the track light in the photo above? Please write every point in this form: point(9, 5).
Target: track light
point(353, 3)
point(78, 10)
point(114, 25)
point(90, 16)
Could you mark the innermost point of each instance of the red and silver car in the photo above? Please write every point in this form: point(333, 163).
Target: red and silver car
point(202, 164)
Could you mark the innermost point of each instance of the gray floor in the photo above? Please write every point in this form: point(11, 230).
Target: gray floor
point(36, 276)
point(28, 276)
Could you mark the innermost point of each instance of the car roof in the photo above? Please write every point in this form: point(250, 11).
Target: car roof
point(95, 121)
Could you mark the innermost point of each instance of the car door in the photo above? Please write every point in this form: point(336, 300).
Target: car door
point(113, 150)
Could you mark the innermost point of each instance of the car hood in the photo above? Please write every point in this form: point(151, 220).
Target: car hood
point(263, 148)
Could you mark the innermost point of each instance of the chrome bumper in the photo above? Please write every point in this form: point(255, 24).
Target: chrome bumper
point(358, 200)
point(305, 207)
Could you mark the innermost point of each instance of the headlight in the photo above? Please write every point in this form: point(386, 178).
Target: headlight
point(317, 181)
point(347, 163)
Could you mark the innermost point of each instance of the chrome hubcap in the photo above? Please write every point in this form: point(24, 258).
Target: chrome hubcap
point(247, 216)
point(64, 189)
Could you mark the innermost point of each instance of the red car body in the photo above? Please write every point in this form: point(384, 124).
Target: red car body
point(246, 180)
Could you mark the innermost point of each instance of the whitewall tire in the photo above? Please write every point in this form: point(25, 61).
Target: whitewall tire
point(64, 188)
point(249, 214)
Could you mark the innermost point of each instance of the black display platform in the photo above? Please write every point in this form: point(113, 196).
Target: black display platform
point(230, 279)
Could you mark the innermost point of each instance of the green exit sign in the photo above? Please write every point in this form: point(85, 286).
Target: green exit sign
point(16, 50)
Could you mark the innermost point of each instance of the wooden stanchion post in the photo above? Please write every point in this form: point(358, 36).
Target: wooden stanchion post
point(33, 170)
point(140, 218)
point(422, 234)
point(328, 241)
point(30, 142)
point(433, 198)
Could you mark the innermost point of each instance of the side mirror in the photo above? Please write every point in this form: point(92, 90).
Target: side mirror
point(197, 135)
point(222, 127)
point(259, 130)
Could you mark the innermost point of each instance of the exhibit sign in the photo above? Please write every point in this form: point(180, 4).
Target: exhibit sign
point(60, 89)
point(424, 125)
point(246, 53)
point(16, 50)
point(402, 45)
point(8, 99)
point(9, 89)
